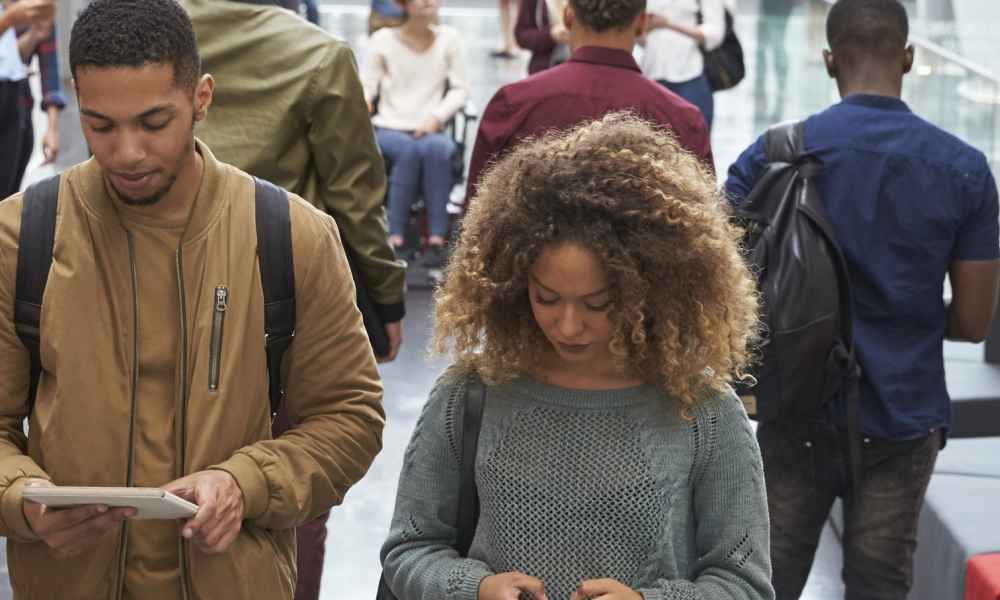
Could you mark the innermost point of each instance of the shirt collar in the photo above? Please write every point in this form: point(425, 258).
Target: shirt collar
point(599, 55)
point(874, 101)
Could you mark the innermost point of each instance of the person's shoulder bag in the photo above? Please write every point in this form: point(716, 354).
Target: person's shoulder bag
point(724, 66)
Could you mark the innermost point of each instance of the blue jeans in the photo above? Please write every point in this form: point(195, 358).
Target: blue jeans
point(697, 92)
point(417, 165)
point(806, 467)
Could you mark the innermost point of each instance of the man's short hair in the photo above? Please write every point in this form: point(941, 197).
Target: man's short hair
point(602, 15)
point(878, 27)
point(135, 33)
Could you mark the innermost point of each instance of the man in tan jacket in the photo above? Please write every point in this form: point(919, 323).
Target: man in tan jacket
point(147, 232)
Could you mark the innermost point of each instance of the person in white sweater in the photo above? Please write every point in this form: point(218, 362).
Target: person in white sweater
point(416, 74)
point(673, 44)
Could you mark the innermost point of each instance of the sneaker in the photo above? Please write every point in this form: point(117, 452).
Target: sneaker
point(434, 257)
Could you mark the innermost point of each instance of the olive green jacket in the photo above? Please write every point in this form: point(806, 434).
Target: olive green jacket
point(288, 107)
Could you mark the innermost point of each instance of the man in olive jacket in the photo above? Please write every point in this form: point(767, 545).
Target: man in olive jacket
point(133, 391)
point(288, 107)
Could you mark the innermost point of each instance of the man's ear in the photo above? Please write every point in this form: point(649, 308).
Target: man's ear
point(203, 96)
point(831, 63)
point(641, 22)
point(569, 16)
point(908, 55)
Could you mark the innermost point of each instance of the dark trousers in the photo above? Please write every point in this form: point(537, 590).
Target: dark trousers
point(310, 541)
point(805, 467)
point(11, 137)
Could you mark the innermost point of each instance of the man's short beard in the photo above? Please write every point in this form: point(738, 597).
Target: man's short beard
point(148, 200)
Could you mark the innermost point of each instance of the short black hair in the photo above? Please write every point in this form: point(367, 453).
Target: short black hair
point(602, 15)
point(872, 27)
point(135, 33)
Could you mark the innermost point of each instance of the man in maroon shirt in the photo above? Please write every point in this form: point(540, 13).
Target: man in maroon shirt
point(600, 77)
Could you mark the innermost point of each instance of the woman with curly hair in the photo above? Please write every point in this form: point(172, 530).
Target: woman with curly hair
point(598, 292)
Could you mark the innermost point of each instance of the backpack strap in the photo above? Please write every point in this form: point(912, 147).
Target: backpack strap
point(277, 278)
point(34, 258)
point(468, 495)
point(785, 142)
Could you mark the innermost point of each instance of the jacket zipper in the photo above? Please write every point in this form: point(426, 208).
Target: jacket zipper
point(182, 421)
point(123, 557)
point(218, 320)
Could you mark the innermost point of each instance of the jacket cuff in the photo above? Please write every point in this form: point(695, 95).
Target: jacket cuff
point(13, 514)
point(390, 313)
point(252, 483)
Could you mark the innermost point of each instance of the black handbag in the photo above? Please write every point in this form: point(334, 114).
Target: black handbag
point(468, 496)
point(724, 66)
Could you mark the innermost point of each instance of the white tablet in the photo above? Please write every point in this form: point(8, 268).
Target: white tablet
point(151, 503)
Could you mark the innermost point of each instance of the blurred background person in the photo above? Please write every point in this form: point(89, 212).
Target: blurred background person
point(39, 39)
point(508, 17)
point(414, 82)
point(677, 32)
point(535, 31)
point(13, 73)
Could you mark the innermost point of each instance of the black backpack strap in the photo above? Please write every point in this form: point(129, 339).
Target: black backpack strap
point(277, 278)
point(34, 258)
point(468, 495)
point(785, 142)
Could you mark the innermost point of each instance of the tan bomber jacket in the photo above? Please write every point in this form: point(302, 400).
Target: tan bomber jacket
point(81, 430)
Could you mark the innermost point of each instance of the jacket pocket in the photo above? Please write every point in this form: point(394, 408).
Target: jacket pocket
point(218, 323)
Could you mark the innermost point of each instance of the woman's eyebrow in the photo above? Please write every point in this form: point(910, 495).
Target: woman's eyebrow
point(589, 295)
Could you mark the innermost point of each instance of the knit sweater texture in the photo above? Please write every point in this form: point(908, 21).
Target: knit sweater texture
point(582, 484)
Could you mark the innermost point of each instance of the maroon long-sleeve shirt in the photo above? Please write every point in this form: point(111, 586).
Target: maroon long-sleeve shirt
point(592, 83)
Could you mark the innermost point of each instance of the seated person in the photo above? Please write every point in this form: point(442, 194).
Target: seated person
point(417, 73)
point(598, 292)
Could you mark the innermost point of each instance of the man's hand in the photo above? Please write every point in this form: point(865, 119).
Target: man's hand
point(431, 125)
point(70, 531)
point(220, 509)
point(605, 589)
point(26, 12)
point(395, 332)
point(657, 21)
point(510, 586)
point(50, 143)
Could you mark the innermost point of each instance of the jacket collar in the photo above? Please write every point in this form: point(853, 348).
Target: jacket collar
point(99, 198)
point(599, 55)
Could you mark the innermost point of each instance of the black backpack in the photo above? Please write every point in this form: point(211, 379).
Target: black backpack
point(277, 274)
point(807, 357)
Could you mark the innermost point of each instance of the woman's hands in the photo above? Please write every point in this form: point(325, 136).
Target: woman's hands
point(510, 586)
point(605, 589)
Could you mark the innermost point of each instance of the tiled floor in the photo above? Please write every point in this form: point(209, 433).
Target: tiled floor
point(788, 44)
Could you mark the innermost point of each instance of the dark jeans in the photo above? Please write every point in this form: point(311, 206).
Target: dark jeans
point(697, 92)
point(805, 467)
point(310, 540)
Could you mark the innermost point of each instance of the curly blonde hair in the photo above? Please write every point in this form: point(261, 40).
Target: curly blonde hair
point(683, 306)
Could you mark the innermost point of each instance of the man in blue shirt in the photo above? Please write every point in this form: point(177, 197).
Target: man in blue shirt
point(909, 204)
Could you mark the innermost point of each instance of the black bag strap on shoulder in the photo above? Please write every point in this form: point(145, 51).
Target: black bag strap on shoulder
point(277, 278)
point(34, 259)
point(468, 495)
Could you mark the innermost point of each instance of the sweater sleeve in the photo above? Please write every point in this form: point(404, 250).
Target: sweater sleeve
point(419, 557)
point(373, 68)
point(730, 508)
point(458, 85)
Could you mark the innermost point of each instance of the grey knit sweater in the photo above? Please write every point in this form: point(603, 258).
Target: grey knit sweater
point(576, 485)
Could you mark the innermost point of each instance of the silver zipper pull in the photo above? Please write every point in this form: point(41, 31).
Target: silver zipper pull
point(221, 298)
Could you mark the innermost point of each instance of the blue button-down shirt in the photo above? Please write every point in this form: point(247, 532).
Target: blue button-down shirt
point(905, 198)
